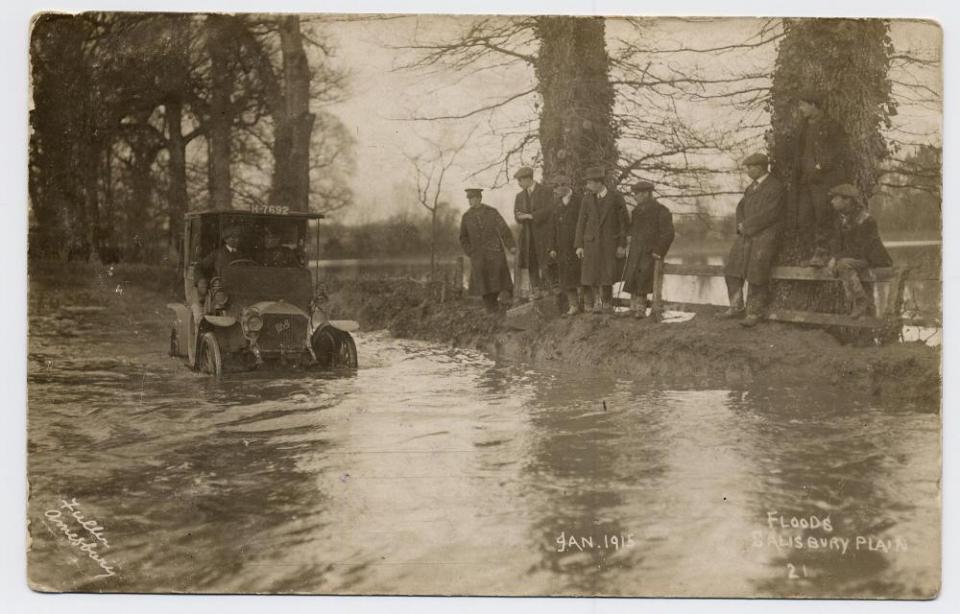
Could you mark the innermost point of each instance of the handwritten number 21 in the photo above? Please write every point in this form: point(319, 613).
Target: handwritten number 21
point(792, 571)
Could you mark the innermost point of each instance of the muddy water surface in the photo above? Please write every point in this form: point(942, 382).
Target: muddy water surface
point(432, 470)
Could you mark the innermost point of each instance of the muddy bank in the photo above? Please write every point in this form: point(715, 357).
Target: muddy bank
point(701, 352)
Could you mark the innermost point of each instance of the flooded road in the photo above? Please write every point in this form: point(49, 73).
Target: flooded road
point(436, 470)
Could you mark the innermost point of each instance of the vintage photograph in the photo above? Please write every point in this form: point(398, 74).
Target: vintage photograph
point(519, 305)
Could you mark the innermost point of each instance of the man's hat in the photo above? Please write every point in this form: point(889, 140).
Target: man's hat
point(559, 179)
point(812, 96)
point(474, 192)
point(845, 189)
point(231, 232)
point(594, 172)
point(642, 186)
point(523, 171)
point(757, 159)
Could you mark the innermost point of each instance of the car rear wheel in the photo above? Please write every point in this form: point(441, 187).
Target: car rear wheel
point(211, 359)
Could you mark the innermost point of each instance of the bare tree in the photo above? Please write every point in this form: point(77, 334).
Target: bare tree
point(430, 170)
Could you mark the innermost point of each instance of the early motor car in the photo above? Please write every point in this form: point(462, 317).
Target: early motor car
point(249, 299)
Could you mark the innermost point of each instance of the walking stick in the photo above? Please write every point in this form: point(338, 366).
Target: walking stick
point(623, 274)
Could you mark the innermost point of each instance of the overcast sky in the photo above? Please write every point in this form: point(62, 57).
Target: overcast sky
point(383, 98)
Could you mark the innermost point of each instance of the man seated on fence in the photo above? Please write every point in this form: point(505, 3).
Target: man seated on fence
point(857, 246)
point(651, 234)
point(751, 258)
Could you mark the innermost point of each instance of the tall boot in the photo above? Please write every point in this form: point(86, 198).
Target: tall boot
point(590, 300)
point(573, 300)
point(735, 292)
point(606, 299)
point(639, 306)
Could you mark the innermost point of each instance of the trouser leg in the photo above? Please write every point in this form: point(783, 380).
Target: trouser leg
point(757, 299)
point(533, 263)
point(491, 302)
point(589, 298)
point(735, 293)
point(823, 220)
point(606, 297)
point(848, 270)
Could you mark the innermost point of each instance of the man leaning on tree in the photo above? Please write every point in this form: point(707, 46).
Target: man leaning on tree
point(759, 217)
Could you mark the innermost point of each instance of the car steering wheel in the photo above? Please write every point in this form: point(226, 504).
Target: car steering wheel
point(244, 261)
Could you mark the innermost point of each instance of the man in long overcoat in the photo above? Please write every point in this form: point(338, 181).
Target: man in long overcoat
point(484, 235)
point(563, 220)
point(531, 208)
point(819, 168)
point(651, 234)
point(601, 239)
point(759, 217)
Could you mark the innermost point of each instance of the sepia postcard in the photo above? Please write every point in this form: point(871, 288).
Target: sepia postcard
point(482, 305)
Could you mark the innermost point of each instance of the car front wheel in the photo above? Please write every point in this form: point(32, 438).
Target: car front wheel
point(211, 359)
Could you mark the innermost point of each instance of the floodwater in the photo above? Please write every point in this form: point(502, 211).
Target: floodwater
point(433, 470)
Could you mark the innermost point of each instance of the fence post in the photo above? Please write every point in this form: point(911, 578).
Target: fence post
point(656, 312)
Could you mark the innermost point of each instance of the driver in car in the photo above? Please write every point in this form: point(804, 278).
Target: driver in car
point(213, 263)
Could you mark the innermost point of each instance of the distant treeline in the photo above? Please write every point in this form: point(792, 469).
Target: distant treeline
point(397, 236)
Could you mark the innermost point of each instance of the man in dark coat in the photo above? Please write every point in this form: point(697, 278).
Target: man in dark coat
point(759, 216)
point(856, 247)
point(601, 239)
point(563, 220)
point(651, 234)
point(483, 235)
point(531, 208)
point(819, 167)
point(212, 265)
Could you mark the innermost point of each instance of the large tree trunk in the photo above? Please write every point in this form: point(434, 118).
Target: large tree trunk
point(58, 79)
point(220, 122)
point(576, 124)
point(177, 152)
point(846, 61)
point(293, 123)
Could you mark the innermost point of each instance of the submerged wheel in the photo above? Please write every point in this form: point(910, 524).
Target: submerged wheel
point(347, 356)
point(211, 360)
point(334, 348)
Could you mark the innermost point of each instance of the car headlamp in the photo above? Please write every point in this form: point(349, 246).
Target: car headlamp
point(252, 322)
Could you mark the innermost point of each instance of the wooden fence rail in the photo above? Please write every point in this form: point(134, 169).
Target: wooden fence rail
point(890, 315)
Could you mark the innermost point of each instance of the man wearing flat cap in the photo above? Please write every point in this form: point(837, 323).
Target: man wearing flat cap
point(819, 167)
point(484, 235)
point(563, 222)
point(531, 208)
point(856, 246)
point(651, 234)
point(601, 240)
point(759, 218)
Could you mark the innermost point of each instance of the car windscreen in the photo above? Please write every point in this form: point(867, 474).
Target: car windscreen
point(269, 241)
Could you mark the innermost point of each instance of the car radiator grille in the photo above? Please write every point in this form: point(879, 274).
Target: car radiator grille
point(282, 331)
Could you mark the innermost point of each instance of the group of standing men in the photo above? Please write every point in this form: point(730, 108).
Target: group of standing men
point(580, 244)
point(584, 244)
